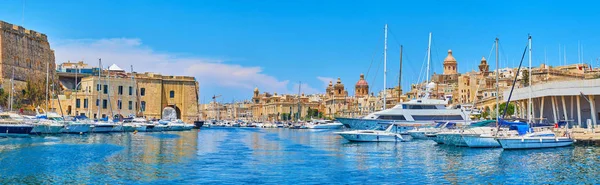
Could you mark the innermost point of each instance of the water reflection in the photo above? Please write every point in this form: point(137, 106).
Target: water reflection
point(278, 156)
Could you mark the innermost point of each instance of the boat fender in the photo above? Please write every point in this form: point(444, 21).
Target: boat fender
point(540, 140)
point(522, 140)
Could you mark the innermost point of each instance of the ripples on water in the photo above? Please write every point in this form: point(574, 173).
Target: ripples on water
point(278, 156)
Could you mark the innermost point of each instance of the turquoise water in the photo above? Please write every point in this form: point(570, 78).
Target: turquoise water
point(278, 156)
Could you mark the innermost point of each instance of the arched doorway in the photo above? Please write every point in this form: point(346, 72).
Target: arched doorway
point(171, 112)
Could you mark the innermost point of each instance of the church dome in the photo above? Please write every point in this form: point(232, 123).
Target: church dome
point(449, 58)
point(338, 83)
point(362, 82)
point(256, 89)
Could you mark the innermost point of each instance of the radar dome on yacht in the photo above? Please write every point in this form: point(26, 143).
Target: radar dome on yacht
point(431, 85)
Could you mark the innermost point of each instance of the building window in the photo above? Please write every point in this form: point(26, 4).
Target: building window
point(119, 104)
point(85, 103)
point(95, 116)
point(172, 94)
point(143, 106)
point(120, 90)
point(130, 105)
point(77, 103)
point(130, 90)
point(104, 102)
point(98, 87)
point(142, 91)
point(105, 89)
point(97, 102)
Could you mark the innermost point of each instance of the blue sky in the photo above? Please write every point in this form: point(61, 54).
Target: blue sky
point(234, 46)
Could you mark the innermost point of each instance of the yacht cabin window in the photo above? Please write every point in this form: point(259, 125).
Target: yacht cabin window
point(408, 106)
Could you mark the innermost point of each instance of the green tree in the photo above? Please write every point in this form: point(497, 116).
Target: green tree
point(33, 93)
point(510, 110)
point(525, 79)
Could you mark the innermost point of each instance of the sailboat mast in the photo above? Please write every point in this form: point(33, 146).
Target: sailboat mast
point(384, 65)
point(529, 103)
point(298, 111)
point(12, 88)
point(98, 87)
point(47, 82)
point(497, 84)
point(134, 89)
point(76, 71)
point(400, 76)
point(428, 57)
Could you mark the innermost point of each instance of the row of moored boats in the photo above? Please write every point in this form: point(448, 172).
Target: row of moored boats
point(12, 124)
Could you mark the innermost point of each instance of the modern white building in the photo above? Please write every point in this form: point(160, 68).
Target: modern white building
point(573, 101)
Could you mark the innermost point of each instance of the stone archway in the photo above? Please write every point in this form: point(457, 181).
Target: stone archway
point(171, 112)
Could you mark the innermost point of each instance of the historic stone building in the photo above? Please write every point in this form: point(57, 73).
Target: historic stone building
point(450, 64)
point(25, 52)
point(270, 107)
point(361, 88)
point(121, 94)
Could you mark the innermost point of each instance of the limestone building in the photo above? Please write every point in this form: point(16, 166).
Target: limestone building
point(27, 53)
point(121, 94)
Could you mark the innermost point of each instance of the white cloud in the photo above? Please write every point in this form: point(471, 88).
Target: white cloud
point(207, 70)
point(326, 80)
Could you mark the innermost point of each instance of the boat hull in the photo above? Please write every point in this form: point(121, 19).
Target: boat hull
point(361, 124)
point(15, 130)
point(47, 129)
point(175, 127)
point(77, 128)
point(139, 128)
point(531, 143)
point(198, 124)
point(476, 141)
point(371, 137)
point(454, 139)
point(325, 126)
point(102, 128)
point(128, 128)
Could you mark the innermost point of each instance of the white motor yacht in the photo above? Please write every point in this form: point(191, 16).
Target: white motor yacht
point(324, 124)
point(387, 135)
point(544, 139)
point(418, 113)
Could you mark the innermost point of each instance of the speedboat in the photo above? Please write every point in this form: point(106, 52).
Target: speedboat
point(324, 124)
point(374, 135)
point(105, 127)
point(79, 124)
point(414, 113)
point(173, 125)
point(14, 128)
point(544, 139)
point(454, 137)
point(485, 137)
point(48, 123)
point(429, 132)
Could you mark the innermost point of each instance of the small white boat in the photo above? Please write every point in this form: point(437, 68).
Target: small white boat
point(427, 132)
point(324, 124)
point(174, 125)
point(373, 135)
point(104, 127)
point(74, 127)
point(544, 139)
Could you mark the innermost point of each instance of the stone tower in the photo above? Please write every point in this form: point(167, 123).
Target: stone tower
point(483, 66)
point(450, 64)
point(338, 88)
point(361, 88)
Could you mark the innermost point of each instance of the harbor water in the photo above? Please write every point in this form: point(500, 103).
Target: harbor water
point(279, 156)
